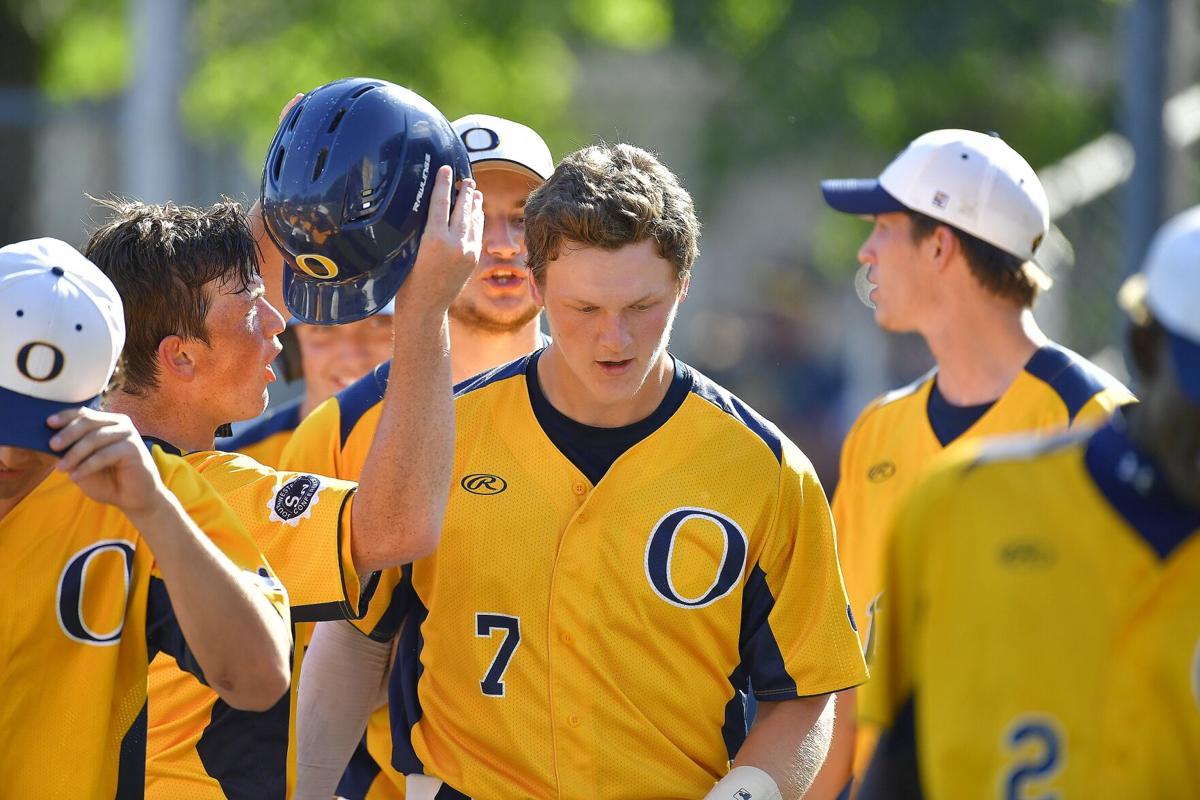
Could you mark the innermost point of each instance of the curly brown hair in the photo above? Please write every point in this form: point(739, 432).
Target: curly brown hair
point(162, 258)
point(610, 196)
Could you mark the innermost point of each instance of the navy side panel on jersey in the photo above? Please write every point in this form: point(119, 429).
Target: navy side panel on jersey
point(893, 772)
point(404, 707)
point(131, 768)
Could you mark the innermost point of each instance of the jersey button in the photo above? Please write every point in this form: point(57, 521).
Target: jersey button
point(573, 720)
point(579, 488)
point(567, 638)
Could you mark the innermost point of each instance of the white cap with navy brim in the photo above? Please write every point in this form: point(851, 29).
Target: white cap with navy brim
point(969, 180)
point(499, 143)
point(64, 328)
point(1168, 286)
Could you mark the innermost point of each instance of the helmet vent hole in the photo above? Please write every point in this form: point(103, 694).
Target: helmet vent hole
point(362, 91)
point(320, 165)
point(295, 116)
point(337, 120)
point(277, 164)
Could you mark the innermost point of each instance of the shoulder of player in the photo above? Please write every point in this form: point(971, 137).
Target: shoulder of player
point(742, 417)
point(492, 377)
point(904, 401)
point(282, 419)
point(1073, 378)
point(1018, 455)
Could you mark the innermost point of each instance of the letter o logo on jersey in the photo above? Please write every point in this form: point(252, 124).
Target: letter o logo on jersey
point(70, 596)
point(29, 350)
point(660, 548)
point(482, 483)
point(317, 266)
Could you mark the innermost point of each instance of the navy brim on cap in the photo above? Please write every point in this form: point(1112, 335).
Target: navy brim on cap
point(25, 420)
point(1185, 355)
point(859, 196)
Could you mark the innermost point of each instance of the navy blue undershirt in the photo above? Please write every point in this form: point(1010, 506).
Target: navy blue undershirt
point(950, 421)
point(1135, 487)
point(593, 450)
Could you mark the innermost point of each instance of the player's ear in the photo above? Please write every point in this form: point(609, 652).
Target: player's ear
point(942, 243)
point(535, 290)
point(1146, 346)
point(175, 359)
point(684, 283)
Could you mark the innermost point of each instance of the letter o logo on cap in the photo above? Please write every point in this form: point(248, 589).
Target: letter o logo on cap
point(478, 140)
point(317, 266)
point(56, 366)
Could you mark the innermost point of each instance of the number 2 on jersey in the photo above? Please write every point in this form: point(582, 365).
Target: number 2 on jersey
point(492, 684)
point(1037, 749)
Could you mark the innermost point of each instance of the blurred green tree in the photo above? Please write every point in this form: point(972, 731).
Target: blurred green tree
point(870, 73)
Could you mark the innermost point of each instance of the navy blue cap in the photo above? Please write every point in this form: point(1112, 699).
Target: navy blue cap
point(864, 196)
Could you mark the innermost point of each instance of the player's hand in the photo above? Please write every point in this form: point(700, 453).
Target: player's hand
point(450, 246)
point(105, 456)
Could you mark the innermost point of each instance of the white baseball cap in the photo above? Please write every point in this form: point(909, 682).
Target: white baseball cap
point(64, 328)
point(971, 181)
point(1168, 286)
point(503, 144)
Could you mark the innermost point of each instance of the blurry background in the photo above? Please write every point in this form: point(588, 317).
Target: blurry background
point(751, 102)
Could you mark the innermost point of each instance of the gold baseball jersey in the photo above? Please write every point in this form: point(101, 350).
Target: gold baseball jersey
point(1041, 628)
point(898, 434)
point(85, 611)
point(198, 746)
point(264, 439)
point(572, 638)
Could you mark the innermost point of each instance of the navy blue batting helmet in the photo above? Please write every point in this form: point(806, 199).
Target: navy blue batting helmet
point(346, 190)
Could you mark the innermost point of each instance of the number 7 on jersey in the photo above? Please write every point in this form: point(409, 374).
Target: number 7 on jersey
point(492, 684)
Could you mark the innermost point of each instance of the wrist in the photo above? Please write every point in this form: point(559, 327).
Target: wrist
point(149, 517)
point(745, 783)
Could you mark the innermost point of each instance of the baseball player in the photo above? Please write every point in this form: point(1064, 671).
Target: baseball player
point(1043, 621)
point(201, 341)
point(627, 547)
point(123, 550)
point(958, 216)
point(492, 322)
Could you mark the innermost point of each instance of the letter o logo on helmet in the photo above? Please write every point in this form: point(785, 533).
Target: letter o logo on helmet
point(346, 187)
point(316, 265)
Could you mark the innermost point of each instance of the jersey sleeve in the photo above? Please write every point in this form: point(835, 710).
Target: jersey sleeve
point(799, 636)
point(217, 520)
point(301, 521)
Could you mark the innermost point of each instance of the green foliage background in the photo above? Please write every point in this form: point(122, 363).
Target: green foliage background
point(869, 73)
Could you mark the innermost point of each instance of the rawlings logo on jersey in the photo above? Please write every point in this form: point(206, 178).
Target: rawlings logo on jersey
point(661, 556)
point(482, 483)
point(294, 500)
point(881, 471)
